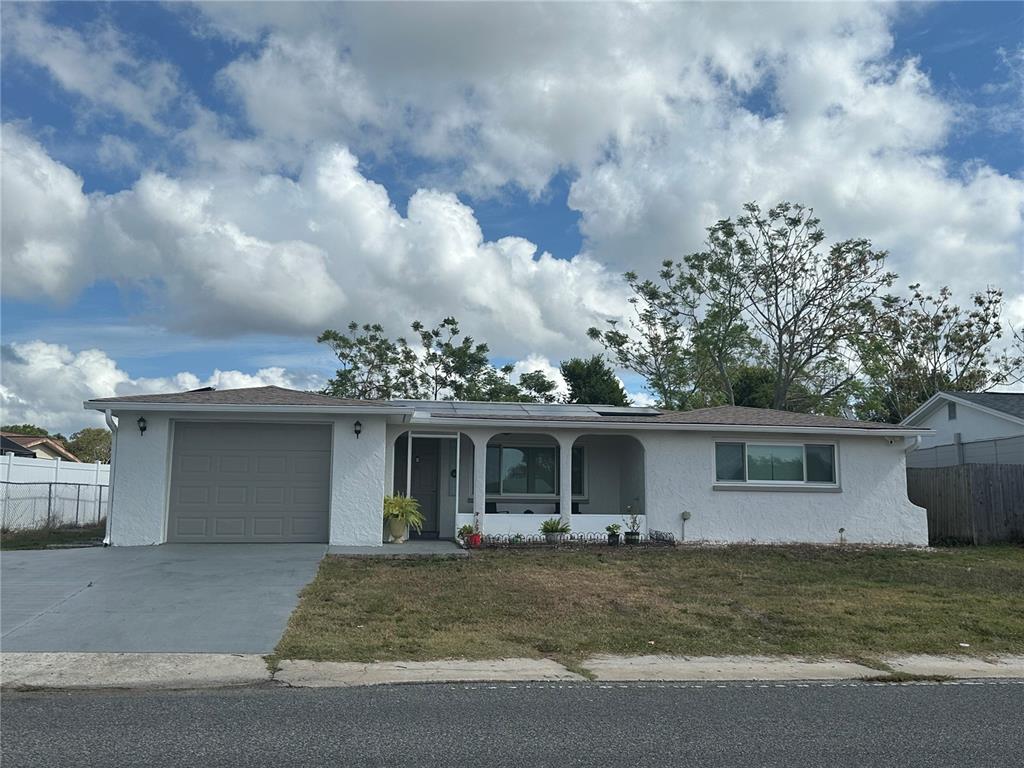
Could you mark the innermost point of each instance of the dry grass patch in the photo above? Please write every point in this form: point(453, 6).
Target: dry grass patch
point(733, 600)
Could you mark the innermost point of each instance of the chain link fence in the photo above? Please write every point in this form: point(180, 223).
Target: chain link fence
point(51, 505)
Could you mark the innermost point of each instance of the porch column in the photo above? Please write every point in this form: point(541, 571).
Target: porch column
point(565, 443)
point(480, 440)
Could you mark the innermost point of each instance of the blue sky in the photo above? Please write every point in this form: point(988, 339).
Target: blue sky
point(222, 182)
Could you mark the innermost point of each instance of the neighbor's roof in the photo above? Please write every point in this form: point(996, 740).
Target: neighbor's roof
point(7, 445)
point(457, 412)
point(29, 442)
point(1009, 404)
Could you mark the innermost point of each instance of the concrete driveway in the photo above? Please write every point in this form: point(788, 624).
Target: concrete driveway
point(199, 598)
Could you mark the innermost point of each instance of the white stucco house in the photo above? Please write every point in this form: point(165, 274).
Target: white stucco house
point(969, 428)
point(276, 465)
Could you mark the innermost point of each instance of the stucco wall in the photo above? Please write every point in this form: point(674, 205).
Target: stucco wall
point(142, 474)
point(142, 469)
point(871, 506)
point(972, 425)
point(358, 482)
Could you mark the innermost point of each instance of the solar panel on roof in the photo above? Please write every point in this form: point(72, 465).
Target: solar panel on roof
point(558, 410)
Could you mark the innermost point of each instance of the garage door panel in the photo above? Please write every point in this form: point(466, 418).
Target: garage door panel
point(250, 482)
point(311, 464)
point(235, 464)
point(270, 496)
point(190, 527)
point(191, 462)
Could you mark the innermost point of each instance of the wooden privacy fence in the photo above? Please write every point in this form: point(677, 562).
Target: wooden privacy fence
point(976, 503)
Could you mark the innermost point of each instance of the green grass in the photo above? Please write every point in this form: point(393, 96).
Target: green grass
point(41, 538)
point(820, 601)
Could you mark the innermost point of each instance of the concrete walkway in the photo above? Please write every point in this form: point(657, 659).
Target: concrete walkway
point(68, 671)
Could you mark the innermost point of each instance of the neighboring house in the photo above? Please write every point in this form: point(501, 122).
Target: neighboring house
point(969, 428)
point(40, 447)
point(277, 465)
point(9, 447)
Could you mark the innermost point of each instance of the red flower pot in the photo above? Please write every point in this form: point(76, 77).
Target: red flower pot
point(473, 540)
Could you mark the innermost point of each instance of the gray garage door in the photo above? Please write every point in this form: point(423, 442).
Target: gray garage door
point(234, 482)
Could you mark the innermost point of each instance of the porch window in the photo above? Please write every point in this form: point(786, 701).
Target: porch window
point(529, 470)
point(770, 463)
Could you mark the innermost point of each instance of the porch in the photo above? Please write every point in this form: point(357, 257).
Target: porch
point(508, 483)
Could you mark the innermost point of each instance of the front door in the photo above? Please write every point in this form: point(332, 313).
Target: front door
point(425, 484)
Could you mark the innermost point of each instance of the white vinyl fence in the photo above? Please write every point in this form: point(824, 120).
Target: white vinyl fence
point(49, 492)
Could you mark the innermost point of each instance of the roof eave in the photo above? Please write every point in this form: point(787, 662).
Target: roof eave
point(895, 431)
point(138, 407)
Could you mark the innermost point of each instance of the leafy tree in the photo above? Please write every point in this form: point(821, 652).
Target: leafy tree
point(373, 367)
point(592, 381)
point(808, 307)
point(91, 444)
point(537, 387)
point(446, 365)
point(927, 343)
point(654, 344)
point(32, 430)
point(25, 429)
point(764, 292)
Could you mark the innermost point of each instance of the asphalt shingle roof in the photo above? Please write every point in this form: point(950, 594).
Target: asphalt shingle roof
point(726, 415)
point(269, 395)
point(1011, 403)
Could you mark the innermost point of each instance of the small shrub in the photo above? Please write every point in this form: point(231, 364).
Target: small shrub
point(554, 525)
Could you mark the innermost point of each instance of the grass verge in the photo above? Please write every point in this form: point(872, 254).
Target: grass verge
point(811, 601)
point(42, 538)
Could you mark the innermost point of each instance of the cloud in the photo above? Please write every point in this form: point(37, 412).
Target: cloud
point(44, 217)
point(45, 384)
point(229, 254)
point(98, 64)
point(667, 117)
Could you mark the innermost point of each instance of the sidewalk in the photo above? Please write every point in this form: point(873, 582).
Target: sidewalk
point(188, 671)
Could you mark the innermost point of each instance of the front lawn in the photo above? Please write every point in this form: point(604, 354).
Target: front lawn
point(849, 602)
point(41, 538)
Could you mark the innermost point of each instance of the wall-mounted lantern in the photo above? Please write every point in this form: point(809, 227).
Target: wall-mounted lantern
point(357, 428)
point(142, 425)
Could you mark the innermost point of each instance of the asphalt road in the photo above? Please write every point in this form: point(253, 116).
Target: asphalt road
point(589, 724)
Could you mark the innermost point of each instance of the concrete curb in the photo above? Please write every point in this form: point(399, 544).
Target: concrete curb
point(958, 666)
point(679, 668)
point(326, 674)
point(165, 671)
point(189, 671)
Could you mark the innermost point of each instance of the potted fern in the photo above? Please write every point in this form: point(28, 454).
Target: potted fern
point(554, 530)
point(402, 513)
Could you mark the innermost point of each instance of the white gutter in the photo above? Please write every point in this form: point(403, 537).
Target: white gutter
point(112, 426)
point(674, 427)
point(913, 444)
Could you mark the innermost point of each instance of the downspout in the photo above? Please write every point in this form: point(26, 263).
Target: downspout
point(913, 445)
point(112, 426)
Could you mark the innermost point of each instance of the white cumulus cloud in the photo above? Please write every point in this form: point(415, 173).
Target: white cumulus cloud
point(45, 384)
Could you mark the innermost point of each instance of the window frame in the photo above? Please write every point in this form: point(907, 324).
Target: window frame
point(776, 484)
point(501, 494)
